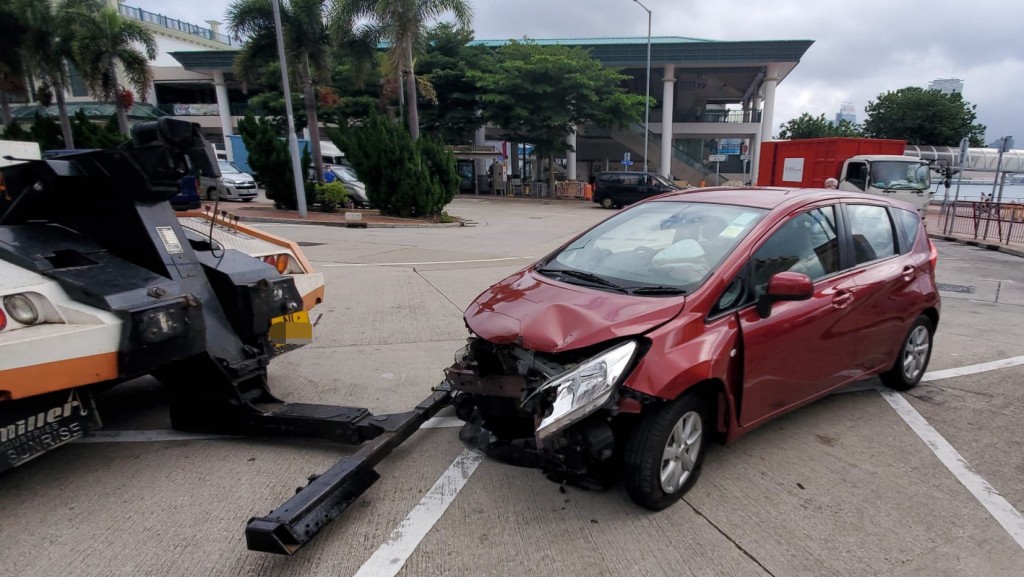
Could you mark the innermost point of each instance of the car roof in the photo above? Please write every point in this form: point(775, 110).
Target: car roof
point(773, 197)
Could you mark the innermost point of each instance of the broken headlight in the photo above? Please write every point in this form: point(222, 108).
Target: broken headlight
point(585, 389)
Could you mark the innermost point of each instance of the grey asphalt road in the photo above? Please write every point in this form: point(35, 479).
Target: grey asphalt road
point(842, 487)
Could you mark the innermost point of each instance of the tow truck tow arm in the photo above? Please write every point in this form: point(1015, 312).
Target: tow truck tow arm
point(195, 316)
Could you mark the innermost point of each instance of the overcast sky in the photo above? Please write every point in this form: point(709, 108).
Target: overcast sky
point(860, 49)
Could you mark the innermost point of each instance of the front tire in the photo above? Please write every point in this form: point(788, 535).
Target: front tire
point(211, 193)
point(607, 202)
point(665, 453)
point(913, 358)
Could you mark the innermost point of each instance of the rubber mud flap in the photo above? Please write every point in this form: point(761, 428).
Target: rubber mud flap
point(30, 427)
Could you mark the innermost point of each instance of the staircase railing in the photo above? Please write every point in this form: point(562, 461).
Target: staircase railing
point(677, 152)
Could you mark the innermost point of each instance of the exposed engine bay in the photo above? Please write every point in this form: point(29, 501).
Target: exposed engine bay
point(552, 411)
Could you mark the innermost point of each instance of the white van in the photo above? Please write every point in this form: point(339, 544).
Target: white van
point(331, 154)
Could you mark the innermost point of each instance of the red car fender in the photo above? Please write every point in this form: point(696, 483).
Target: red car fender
point(690, 352)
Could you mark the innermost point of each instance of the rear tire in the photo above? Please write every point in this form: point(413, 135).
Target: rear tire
point(665, 452)
point(915, 352)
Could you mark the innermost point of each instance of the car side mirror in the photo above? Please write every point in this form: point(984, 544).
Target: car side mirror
point(785, 286)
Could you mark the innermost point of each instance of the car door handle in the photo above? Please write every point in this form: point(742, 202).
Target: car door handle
point(908, 272)
point(842, 299)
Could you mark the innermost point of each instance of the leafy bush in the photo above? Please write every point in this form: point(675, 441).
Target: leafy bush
point(268, 156)
point(331, 195)
point(402, 178)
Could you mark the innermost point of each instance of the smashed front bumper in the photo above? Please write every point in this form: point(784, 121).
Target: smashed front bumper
point(556, 412)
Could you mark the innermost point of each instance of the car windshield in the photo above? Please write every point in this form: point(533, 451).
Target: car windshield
point(657, 248)
point(345, 173)
point(894, 174)
point(228, 168)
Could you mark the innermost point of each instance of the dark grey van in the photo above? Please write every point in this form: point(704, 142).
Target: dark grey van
point(614, 189)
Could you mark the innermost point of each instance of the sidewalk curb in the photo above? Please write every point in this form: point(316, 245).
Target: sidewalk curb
point(344, 224)
point(978, 243)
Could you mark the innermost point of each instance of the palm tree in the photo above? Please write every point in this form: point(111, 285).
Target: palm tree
point(47, 47)
point(400, 24)
point(12, 66)
point(102, 41)
point(306, 42)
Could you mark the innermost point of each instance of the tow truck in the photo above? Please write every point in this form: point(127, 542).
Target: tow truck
point(101, 282)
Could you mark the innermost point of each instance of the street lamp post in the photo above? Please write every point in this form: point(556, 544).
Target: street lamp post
point(293, 142)
point(647, 100)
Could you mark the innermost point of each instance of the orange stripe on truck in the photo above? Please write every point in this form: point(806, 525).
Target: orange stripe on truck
point(315, 297)
point(262, 235)
point(57, 375)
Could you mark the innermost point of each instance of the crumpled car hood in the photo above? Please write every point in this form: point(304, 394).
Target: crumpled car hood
point(548, 316)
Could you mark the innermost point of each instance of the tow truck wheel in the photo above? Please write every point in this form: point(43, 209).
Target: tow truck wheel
point(665, 452)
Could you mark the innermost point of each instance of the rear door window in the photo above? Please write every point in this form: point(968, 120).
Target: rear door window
point(872, 232)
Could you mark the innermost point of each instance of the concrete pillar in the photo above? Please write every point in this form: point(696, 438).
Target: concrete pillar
point(570, 156)
point(755, 157)
point(771, 80)
point(480, 164)
point(667, 104)
point(513, 167)
point(224, 110)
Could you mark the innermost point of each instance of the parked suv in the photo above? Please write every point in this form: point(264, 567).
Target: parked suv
point(688, 319)
point(614, 189)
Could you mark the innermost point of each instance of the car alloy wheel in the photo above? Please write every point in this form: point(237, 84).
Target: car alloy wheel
point(607, 202)
point(665, 451)
point(915, 353)
point(680, 456)
point(913, 357)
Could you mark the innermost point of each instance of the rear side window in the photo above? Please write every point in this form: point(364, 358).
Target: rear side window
point(909, 224)
point(872, 232)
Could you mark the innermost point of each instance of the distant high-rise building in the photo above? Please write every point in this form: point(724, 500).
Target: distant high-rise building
point(947, 85)
point(846, 112)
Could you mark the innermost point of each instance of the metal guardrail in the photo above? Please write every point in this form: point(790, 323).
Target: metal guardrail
point(175, 24)
point(1001, 222)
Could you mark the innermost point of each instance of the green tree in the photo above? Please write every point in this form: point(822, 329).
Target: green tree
point(89, 134)
point(922, 116)
point(306, 41)
point(539, 94)
point(401, 24)
point(12, 66)
point(48, 47)
point(455, 113)
point(105, 43)
point(268, 156)
point(403, 177)
point(807, 126)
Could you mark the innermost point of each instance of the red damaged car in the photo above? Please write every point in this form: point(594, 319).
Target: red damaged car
point(692, 317)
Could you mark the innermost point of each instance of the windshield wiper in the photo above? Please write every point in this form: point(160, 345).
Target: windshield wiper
point(585, 276)
point(657, 290)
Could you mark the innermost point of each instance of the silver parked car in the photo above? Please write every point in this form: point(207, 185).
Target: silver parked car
point(356, 189)
point(233, 184)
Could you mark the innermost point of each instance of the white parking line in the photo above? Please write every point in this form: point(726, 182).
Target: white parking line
point(427, 262)
point(1000, 509)
point(973, 369)
point(391, 556)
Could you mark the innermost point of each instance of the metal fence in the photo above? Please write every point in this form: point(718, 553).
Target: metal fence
point(1000, 222)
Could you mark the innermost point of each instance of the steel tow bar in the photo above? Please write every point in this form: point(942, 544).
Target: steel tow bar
point(286, 529)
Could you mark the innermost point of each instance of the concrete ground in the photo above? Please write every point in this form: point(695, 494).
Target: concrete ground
point(842, 487)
